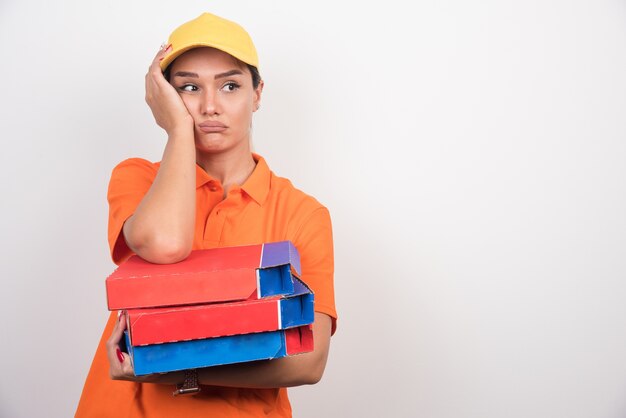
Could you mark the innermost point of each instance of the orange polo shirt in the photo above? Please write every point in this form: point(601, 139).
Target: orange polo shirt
point(265, 208)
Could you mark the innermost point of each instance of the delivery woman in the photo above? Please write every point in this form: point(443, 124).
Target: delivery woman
point(209, 190)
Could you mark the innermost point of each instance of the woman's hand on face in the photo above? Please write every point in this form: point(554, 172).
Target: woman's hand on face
point(167, 107)
point(120, 366)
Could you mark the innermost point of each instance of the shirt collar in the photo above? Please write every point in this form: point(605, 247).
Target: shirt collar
point(257, 186)
point(201, 177)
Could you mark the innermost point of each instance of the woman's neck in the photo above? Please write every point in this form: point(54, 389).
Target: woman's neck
point(230, 167)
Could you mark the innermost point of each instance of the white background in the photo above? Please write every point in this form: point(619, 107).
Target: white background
point(472, 155)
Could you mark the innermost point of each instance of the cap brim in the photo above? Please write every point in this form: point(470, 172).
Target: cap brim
point(175, 54)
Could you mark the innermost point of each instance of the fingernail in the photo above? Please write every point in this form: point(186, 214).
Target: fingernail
point(121, 315)
point(120, 356)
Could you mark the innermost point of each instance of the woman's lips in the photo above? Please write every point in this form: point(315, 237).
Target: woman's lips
point(211, 127)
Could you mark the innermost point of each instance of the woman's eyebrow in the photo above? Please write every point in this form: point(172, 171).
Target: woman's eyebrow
point(217, 76)
point(228, 74)
point(185, 74)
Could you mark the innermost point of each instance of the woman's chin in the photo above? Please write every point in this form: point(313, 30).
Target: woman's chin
point(216, 144)
point(212, 145)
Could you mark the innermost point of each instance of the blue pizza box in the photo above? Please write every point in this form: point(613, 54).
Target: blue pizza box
point(182, 355)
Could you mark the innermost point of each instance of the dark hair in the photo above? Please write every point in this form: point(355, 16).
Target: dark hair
point(256, 76)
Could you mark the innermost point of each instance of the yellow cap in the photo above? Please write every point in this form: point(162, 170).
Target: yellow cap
point(213, 31)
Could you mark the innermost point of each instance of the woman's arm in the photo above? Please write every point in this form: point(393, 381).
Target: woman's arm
point(161, 229)
point(301, 369)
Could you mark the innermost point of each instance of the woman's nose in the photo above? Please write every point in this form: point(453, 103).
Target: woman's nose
point(210, 103)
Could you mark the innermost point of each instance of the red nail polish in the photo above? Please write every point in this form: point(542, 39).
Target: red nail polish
point(120, 356)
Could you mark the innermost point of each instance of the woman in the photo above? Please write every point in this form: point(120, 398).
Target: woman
point(209, 190)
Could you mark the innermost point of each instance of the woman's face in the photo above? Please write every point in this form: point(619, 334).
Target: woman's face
point(217, 90)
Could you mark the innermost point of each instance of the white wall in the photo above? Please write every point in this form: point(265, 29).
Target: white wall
point(471, 153)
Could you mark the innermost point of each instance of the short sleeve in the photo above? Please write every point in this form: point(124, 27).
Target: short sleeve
point(314, 241)
point(130, 181)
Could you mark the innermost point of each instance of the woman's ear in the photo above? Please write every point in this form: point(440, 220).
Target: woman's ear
point(257, 96)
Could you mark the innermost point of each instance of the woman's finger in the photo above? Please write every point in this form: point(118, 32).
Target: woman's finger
point(161, 54)
point(113, 343)
point(154, 76)
point(120, 366)
point(155, 66)
point(126, 367)
point(118, 330)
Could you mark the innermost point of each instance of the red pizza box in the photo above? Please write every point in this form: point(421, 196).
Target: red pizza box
point(206, 276)
point(183, 323)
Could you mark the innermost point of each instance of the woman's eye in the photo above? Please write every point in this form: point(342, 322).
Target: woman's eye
point(188, 87)
point(231, 86)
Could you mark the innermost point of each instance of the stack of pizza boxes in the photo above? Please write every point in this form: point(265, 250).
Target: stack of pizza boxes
point(218, 306)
